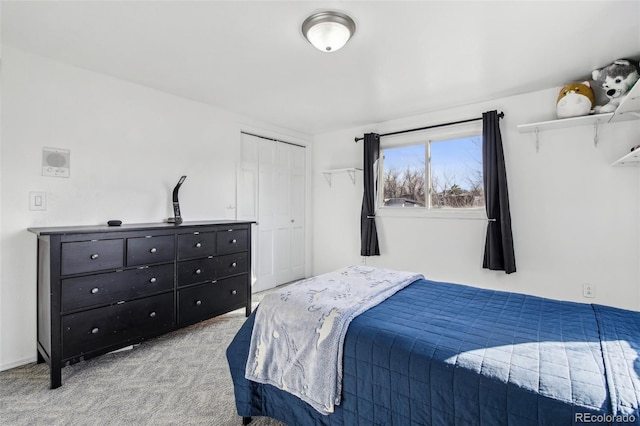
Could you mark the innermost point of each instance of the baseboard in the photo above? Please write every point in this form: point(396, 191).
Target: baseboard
point(17, 363)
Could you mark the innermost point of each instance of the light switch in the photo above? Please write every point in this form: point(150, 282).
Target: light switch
point(37, 200)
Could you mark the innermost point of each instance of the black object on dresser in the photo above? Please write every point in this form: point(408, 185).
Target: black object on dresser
point(103, 288)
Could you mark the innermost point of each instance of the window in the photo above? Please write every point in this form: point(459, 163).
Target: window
point(436, 174)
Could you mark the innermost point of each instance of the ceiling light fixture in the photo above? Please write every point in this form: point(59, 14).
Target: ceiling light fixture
point(328, 31)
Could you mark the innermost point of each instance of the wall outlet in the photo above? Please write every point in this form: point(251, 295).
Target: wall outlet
point(588, 290)
point(363, 260)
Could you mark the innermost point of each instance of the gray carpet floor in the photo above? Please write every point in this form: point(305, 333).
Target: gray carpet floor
point(181, 378)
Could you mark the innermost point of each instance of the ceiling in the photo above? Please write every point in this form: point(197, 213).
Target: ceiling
point(406, 58)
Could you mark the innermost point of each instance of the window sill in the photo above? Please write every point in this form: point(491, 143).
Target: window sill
point(422, 213)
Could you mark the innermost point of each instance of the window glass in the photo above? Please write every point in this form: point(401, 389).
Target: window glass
point(456, 173)
point(404, 176)
point(437, 174)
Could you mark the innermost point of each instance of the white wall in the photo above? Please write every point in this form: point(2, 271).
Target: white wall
point(575, 218)
point(129, 145)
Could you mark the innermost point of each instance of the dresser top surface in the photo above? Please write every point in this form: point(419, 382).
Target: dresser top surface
point(88, 229)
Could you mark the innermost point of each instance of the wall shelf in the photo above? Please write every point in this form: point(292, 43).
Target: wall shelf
point(351, 171)
point(566, 122)
point(629, 109)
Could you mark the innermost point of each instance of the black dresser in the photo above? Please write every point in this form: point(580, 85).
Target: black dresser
point(102, 288)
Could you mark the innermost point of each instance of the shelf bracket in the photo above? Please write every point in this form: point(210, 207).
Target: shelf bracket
point(352, 175)
point(537, 140)
point(351, 172)
point(327, 177)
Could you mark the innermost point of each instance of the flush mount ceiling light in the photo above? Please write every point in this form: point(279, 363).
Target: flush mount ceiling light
point(328, 31)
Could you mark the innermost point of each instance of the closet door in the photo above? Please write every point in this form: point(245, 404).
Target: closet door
point(271, 187)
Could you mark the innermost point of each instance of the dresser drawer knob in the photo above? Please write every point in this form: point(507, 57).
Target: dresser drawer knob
point(198, 302)
point(198, 271)
point(198, 245)
point(234, 241)
point(95, 290)
point(153, 250)
point(94, 256)
point(95, 330)
point(153, 280)
point(152, 314)
point(234, 264)
point(234, 292)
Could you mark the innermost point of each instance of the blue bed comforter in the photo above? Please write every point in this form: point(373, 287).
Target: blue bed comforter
point(446, 354)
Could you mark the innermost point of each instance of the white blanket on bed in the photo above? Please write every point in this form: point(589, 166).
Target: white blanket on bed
point(299, 330)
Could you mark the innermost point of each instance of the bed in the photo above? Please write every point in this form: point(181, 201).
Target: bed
point(439, 353)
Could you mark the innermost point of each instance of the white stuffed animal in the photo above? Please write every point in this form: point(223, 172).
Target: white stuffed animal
point(616, 80)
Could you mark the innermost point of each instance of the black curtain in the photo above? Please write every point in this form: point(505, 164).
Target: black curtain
point(368, 233)
point(498, 249)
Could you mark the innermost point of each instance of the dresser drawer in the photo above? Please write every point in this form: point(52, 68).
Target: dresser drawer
point(99, 328)
point(206, 300)
point(197, 271)
point(89, 256)
point(147, 250)
point(232, 240)
point(232, 264)
point(91, 290)
point(196, 244)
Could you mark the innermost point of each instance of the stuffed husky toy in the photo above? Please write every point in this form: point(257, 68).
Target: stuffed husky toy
point(616, 80)
point(574, 100)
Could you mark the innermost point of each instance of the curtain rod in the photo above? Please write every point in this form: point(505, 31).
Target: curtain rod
point(501, 115)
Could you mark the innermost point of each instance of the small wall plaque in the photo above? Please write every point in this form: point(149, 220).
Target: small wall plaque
point(55, 162)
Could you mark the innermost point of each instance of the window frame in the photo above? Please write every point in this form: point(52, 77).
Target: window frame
point(425, 138)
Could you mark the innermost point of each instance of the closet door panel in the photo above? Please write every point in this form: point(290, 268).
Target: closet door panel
point(297, 196)
point(267, 214)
